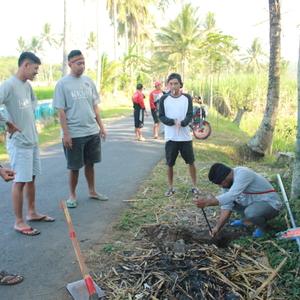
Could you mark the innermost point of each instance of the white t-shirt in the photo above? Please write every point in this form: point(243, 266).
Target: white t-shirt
point(180, 108)
point(77, 97)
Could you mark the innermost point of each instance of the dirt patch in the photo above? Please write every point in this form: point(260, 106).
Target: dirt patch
point(181, 238)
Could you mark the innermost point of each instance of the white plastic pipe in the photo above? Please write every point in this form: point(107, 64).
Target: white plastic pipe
point(288, 207)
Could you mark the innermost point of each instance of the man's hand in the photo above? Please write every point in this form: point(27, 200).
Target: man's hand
point(103, 134)
point(200, 202)
point(12, 128)
point(7, 174)
point(214, 233)
point(178, 125)
point(67, 141)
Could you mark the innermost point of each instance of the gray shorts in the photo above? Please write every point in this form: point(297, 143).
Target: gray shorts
point(258, 213)
point(85, 150)
point(25, 161)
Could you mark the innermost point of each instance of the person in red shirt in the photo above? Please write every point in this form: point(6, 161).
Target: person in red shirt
point(139, 109)
point(154, 105)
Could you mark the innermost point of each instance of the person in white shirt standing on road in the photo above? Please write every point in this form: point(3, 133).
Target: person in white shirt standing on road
point(176, 112)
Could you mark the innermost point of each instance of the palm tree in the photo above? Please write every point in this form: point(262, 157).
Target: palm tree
point(49, 38)
point(178, 41)
point(36, 45)
point(23, 46)
point(262, 140)
point(255, 56)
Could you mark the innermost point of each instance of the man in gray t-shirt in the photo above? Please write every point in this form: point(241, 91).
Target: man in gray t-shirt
point(76, 100)
point(246, 192)
point(22, 139)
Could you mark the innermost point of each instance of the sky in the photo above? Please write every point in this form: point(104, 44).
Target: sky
point(241, 19)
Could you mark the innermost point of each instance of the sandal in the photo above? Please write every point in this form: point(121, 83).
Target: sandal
point(195, 191)
point(10, 277)
point(26, 231)
point(71, 204)
point(170, 192)
point(101, 197)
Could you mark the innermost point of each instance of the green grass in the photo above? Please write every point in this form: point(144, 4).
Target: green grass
point(115, 112)
point(44, 92)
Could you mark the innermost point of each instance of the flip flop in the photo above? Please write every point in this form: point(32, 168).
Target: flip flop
point(42, 219)
point(169, 193)
point(23, 231)
point(195, 191)
point(101, 197)
point(11, 277)
point(71, 204)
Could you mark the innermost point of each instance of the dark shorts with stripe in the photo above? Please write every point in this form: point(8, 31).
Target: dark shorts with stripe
point(85, 150)
point(138, 116)
point(184, 148)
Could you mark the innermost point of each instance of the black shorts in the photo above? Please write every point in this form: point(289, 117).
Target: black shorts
point(85, 150)
point(173, 148)
point(138, 117)
point(154, 112)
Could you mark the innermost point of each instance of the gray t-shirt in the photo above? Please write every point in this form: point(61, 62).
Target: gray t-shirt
point(246, 181)
point(19, 103)
point(77, 97)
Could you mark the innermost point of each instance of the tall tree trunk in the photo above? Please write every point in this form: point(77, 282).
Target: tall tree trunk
point(126, 37)
point(65, 69)
point(295, 191)
point(115, 45)
point(84, 44)
point(262, 140)
point(99, 56)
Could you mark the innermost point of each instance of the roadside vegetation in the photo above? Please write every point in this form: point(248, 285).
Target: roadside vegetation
point(149, 207)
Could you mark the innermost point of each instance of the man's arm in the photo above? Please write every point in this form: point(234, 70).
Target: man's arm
point(67, 141)
point(151, 101)
point(99, 121)
point(224, 217)
point(201, 202)
point(189, 114)
point(162, 115)
point(11, 128)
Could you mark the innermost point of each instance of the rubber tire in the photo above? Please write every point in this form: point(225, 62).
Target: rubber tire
point(203, 133)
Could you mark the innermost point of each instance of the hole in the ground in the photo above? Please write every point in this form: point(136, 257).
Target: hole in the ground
point(180, 238)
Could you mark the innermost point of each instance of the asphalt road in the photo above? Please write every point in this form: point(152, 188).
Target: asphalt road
point(48, 261)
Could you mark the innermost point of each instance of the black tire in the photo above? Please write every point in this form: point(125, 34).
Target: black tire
point(203, 131)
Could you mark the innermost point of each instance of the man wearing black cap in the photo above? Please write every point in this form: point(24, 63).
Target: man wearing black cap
point(244, 191)
point(176, 111)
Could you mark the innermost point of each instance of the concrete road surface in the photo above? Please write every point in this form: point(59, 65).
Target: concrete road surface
point(47, 260)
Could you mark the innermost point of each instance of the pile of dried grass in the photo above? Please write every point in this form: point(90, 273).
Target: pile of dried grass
point(204, 272)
